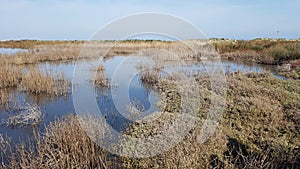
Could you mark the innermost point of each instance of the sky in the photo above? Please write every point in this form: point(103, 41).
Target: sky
point(80, 19)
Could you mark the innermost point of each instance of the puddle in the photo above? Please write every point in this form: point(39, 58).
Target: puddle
point(11, 51)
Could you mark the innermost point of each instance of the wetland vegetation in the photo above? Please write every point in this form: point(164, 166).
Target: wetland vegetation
point(259, 128)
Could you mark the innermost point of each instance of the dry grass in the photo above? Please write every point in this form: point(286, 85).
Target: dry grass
point(4, 97)
point(259, 128)
point(267, 51)
point(42, 51)
point(149, 75)
point(31, 80)
point(292, 74)
point(101, 80)
point(9, 76)
point(37, 82)
point(64, 145)
point(34, 80)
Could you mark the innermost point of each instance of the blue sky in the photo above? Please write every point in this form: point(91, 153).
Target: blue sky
point(79, 19)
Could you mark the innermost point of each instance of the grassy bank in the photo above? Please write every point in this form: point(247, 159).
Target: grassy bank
point(64, 145)
point(259, 128)
point(293, 74)
point(266, 51)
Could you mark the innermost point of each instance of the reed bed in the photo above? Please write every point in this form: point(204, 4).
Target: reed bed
point(150, 76)
point(9, 76)
point(4, 97)
point(43, 51)
point(266, 51)
point(64, 145)
point(100, 79)
point(32, 81)
point(37, 82)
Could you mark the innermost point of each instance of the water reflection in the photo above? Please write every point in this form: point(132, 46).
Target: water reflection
point(11, 51)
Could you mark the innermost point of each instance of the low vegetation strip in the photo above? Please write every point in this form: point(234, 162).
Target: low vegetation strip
point(266, 51)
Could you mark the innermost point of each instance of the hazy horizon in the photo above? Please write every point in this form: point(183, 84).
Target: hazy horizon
point(79, 19)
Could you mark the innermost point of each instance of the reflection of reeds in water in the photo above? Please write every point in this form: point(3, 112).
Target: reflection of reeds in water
point(29, 115)
point(4, 97)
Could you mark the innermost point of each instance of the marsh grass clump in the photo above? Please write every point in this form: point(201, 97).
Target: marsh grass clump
point(63, 145)
point(150, 75)
point(100, 79)
point(10, 76)
point(37, 82)
point(28, 115)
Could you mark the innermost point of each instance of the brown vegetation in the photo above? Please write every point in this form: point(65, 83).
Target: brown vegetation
point(259, 129)
point(292, 74)
point(37, 82)
point(64, 145)
point(9, 76)
point(32, 81)
point(42, 51)
point(100, 80)
point(267, 51)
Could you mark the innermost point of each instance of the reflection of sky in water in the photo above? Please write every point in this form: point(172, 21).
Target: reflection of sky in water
point(225, 67)
point(11, 50)
point(139, 96)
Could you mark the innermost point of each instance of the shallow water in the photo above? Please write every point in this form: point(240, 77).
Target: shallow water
point(11, 51)
point(112, 102)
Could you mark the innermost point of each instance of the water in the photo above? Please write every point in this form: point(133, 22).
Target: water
point(11, 51)
point(112, 102)
point(231, 66)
